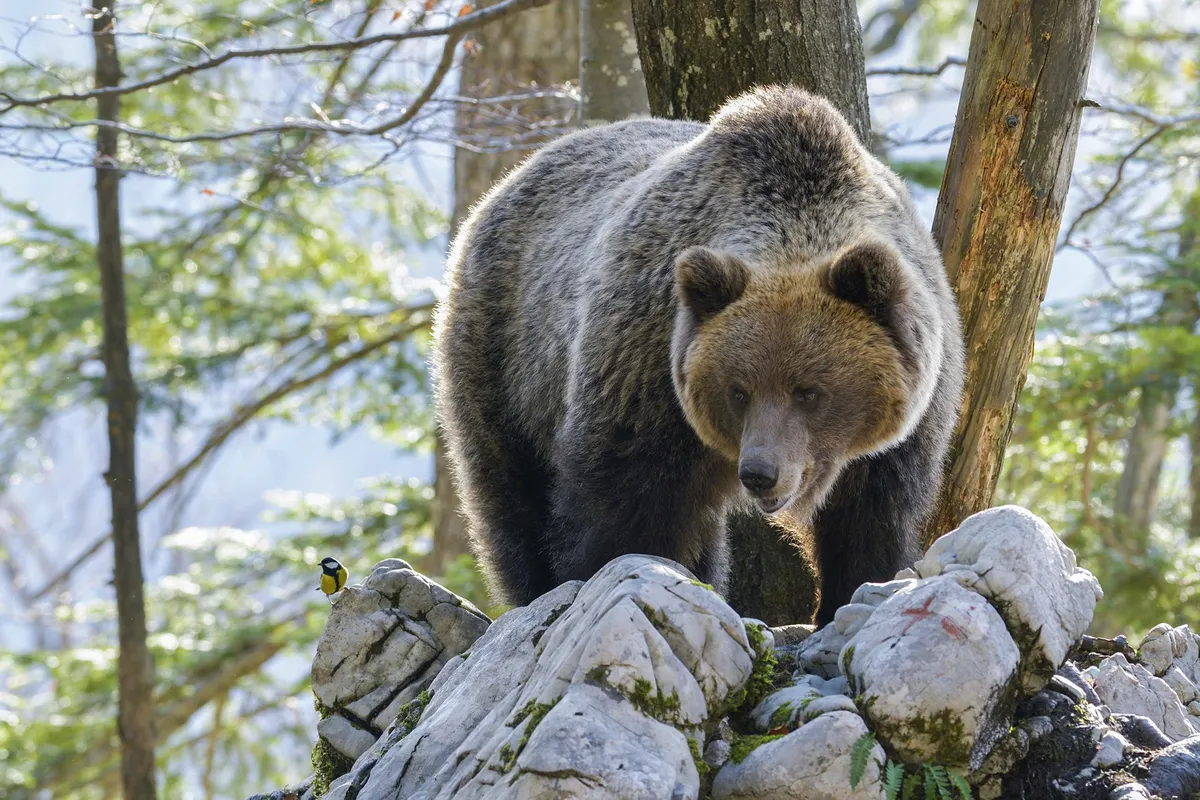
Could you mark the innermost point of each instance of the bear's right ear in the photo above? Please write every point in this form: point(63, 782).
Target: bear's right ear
point(709, 281)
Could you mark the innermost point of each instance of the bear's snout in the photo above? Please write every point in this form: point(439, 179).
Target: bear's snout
point(758, 475)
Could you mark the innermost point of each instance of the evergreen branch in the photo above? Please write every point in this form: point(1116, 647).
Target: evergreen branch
point(242, 415)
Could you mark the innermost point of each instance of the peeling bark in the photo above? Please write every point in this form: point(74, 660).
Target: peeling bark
point(998, 216)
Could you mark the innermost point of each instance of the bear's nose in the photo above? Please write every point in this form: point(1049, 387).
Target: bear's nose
point(758, 476)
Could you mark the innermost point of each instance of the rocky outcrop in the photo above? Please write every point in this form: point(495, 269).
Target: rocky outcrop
point(385, 641)
point(969, 674)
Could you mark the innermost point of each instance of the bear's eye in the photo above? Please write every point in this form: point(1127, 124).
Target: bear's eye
point(739, 396)
point(805, 396)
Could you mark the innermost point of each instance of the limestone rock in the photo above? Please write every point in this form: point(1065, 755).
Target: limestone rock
point(933, 668)
point(1164, 645)
point(1175, 771)
point(598, 691)
point(1131, 689)
point(818, 654)
point(809, 697)
point(383, 643)
point(1111, 750)
point(810, 763)
point(1013, 558)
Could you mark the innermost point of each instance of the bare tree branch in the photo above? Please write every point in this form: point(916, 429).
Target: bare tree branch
point(455, 31)
point(952, 61)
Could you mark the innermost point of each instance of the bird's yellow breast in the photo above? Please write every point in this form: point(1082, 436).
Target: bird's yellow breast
point(332, 585)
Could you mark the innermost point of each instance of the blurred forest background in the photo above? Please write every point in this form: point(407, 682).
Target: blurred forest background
point(286, 209)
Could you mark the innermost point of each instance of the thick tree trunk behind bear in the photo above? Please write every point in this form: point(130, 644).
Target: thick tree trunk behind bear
point(695, 56)
point(506, 56)
point(998, 215)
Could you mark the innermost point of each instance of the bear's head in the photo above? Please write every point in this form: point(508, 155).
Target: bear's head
point(790, 374)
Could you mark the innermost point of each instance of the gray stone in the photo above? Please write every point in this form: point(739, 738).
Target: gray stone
point(1175, 771)
point(1183, 687)
point(1140, 731)
point(383, 643)
point(716, 753)
point(1110, 751)
point(818, 654)
point(1072, 673)
point(931, 668)
point(1130, 791)
point(599, 691)
point(1014, 559)
point(810, 763)
point(808, 697)
point(1131, 689)
point(1163, 645)
point(344, 736)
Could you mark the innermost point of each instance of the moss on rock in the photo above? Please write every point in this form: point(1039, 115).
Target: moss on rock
point(328, 765)
point(743, 746)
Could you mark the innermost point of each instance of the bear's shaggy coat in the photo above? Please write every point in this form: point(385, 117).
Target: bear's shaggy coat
point(645, 312)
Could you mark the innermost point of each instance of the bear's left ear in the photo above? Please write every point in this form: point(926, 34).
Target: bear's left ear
point(709, 281)
point(870, 277)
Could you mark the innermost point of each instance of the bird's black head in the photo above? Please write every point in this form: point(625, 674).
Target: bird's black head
point(330, 564)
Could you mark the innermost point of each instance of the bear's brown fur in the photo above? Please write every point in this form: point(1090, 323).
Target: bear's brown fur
point(646, 314)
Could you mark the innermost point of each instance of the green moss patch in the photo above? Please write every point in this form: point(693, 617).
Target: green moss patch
point(532, 711)
point(328, 765)
point(743, 746)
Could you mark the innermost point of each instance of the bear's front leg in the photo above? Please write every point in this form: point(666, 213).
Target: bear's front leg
point(869, 527)
point(617, 494)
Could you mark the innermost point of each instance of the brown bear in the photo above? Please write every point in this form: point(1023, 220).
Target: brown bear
point(650, 321)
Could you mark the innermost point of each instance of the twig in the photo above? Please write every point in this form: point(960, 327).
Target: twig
point(456, 31)
point(929, 72)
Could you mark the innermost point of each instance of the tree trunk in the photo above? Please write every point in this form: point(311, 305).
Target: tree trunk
point(135, 682)
point(1146, 449)
point(695, 56)
point(518, 50)
point(998, 216)
point(1194, 455)
point(1137, 491)
point(611, 85)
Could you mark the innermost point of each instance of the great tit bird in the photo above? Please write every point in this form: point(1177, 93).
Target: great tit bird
point(333, 577)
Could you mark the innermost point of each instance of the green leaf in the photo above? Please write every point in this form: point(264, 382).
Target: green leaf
point(894, 778)
point(935, 774)
point(912, 782)
point(859, 754)
point(964, 788)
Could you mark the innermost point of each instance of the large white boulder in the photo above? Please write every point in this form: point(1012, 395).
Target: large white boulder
point(1014, 559)
point(932, 670)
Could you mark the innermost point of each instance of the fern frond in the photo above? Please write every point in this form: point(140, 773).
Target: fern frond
point(964, 788)
point(859, 753)
point(936, 774)
point(893, 779)
point(912, 782)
